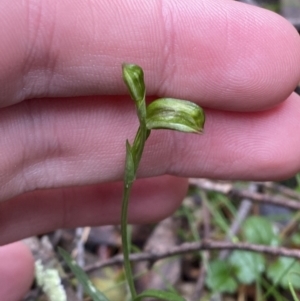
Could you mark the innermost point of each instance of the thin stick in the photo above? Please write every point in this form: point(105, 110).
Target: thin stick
point(196, 246)
point(228, 189)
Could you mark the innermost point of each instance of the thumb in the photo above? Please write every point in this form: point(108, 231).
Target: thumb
point(16, 271)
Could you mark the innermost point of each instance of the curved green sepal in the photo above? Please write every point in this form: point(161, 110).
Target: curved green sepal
point(160, 295)
point(175, 114)
point(133, 77)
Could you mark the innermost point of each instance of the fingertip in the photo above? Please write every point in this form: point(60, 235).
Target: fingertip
point(274, 48)
point(237, 57)
point(282, 57)
point(16, 271)
point(221, 54)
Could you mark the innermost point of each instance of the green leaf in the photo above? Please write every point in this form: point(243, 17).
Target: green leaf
point(259, 230)
point(248, 265)
point(133, 77)
point(129, 176)
point(82, 277)
point(175, 114)
point(293, 292)
point(110, 282)
point(160, 295)
point(295, 239)
point(285, 270)
point(138, 145)
point(220, 277)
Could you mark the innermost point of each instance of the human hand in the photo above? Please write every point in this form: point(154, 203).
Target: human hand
point(66, 114)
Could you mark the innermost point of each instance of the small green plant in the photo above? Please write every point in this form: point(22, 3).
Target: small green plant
point(248, 268)
point(163, 113)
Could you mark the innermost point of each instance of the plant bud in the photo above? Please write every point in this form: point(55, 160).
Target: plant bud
point(133, 77)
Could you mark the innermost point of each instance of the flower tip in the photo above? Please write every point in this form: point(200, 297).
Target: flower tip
point(133, 77)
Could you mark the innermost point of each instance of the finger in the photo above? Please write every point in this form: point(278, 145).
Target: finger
point(222, 54)
point(45, 144)
point(252, 146)
point(46, 210)
point(16, 271)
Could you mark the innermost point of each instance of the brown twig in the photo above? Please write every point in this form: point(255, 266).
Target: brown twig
point(277, 188)
point(197, 246)
point(229, 189)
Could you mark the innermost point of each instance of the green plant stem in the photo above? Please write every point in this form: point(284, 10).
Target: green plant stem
point(138, 147)
point(124, 234)
point(293, 291)
point(133, 157)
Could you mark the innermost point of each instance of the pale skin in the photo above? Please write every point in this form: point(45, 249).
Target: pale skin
point(65, 113)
